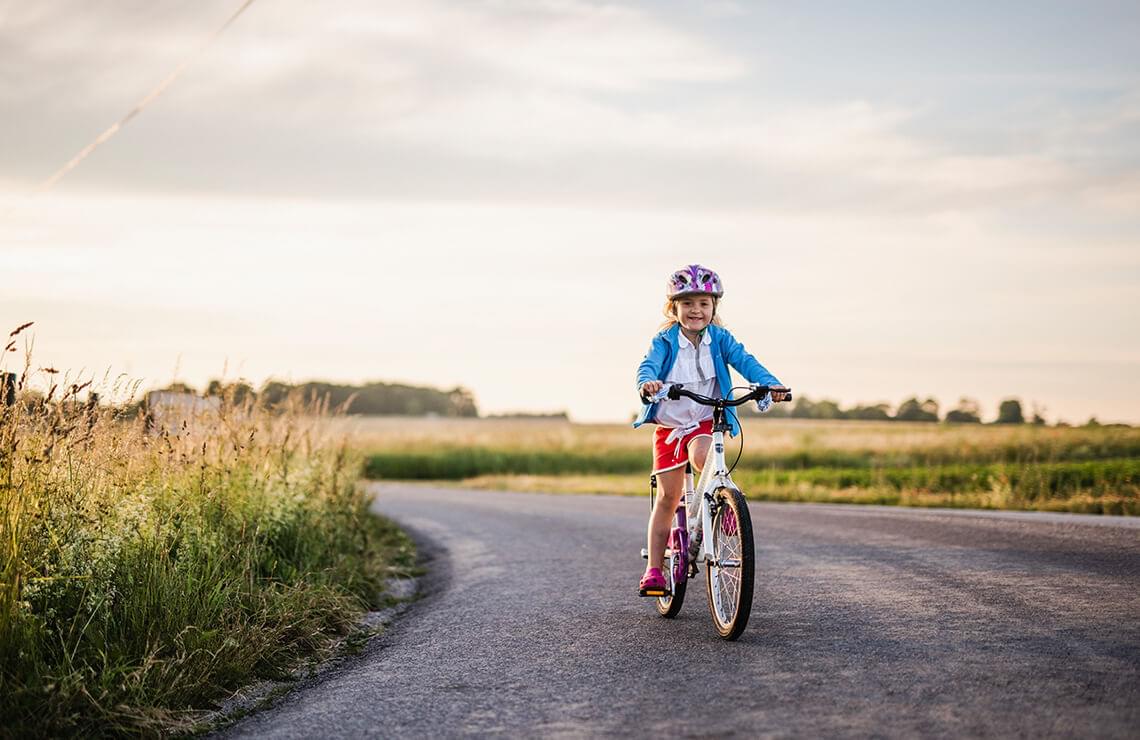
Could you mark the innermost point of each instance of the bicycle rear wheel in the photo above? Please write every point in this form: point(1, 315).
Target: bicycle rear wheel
point(669, 606)
point(730, 572)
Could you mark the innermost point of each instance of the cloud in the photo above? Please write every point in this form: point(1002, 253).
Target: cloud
point(552, 45)
point(553, 102)
point(309, 81)
point(438, 45)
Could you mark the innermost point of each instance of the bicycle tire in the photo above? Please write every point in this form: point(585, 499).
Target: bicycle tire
point(670, 606)
point(731, 603)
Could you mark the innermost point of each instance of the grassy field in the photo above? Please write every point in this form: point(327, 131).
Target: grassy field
point(144, 576)
point(1086, 469)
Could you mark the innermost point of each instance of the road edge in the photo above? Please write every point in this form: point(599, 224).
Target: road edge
point(375, 631)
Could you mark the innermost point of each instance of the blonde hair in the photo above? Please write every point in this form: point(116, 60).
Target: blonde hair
point(670, 312)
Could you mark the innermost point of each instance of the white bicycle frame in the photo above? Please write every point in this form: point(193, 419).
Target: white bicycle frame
point(714, 475)
point(699, 500)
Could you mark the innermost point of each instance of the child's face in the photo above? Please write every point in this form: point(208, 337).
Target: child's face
point(694, 311)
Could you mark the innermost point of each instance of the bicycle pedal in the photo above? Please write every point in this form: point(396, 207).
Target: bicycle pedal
point(653, 592)
point(644, 554)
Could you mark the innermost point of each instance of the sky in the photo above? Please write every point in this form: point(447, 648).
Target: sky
point(933, 199)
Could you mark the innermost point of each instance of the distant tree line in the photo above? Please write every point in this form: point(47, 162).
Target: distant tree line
point(968, 411)
point(380, 399)
point(537, 415)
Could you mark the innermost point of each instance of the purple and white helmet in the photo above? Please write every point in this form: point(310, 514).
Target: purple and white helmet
point(693, 280)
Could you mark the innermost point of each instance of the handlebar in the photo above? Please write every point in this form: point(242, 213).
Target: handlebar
point(675, 392)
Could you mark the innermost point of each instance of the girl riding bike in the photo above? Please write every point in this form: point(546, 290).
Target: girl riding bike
point(694, 349)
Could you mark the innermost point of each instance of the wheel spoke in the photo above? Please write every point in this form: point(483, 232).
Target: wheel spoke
point(730, 564)
point(726, 547)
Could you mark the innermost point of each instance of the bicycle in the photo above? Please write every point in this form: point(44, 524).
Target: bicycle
point(720, 535)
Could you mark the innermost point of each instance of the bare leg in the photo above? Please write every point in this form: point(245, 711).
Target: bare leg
point(671, 484)
point(698, 451)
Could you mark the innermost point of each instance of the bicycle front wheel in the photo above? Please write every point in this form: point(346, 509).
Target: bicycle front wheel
point(731, 569)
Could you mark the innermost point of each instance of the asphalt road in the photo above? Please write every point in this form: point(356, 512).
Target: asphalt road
point(867, 622)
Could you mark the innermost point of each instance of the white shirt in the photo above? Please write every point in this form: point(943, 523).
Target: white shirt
point(685, 412)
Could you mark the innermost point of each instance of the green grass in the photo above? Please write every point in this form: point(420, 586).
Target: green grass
point(760, 487)
point(467, 462)
point(1018, 466)
point(1030, 481)
point(453, 462)
point(143, 577)
point(1100, 487)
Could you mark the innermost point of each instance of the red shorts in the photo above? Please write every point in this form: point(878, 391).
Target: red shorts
point(670, 455)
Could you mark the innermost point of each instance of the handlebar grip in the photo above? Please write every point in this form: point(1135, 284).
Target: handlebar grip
point(787, 395)
point(674, 393)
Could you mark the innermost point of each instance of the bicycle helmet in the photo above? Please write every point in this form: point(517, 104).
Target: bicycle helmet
point(693, 280)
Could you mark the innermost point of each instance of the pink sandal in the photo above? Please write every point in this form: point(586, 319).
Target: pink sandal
point(653, 583)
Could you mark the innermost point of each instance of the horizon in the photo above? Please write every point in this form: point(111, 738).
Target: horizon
point(901, 201)
point(110, 380)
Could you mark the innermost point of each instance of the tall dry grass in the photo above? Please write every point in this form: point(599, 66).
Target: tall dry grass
point(144, 575)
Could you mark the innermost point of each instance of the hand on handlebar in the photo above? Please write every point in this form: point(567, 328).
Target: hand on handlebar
point(779, 393)
point(651, 388)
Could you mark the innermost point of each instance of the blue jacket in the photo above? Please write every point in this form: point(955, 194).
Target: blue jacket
point(726, 351)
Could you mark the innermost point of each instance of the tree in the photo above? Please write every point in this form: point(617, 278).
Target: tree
point(967, 412)
point(463, 402)
point(914, 410)
point(1010, 412)
point(826, 409)
point(180, 387)
point(930, 406)
point(237, 392)
point(802, 408)
point(878, 412)
point(274, 392)
point(377, 398)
